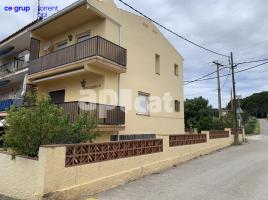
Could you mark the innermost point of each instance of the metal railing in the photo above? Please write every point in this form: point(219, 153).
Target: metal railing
point(95, 46)
point(104, 114)
point(12, 67)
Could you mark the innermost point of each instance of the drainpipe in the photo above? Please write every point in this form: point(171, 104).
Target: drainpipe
point(118, 99)
point(118, 81)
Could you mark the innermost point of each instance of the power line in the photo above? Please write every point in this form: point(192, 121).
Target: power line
point(251, 67)
point(226, 79)
point(171, 31)
point(253, 61)
point(246, 69)
point(201, 78)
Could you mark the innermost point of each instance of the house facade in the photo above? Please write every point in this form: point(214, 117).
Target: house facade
point(14, 64)
point(94, 57)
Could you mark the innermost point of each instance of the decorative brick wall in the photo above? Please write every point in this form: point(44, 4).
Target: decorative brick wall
point(188, 139)
point(240, 131)
point(91, 153)
point(218, 134)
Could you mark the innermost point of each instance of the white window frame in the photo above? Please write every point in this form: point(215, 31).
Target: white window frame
point(86, 35)
point(60, 45)
point(146, 99)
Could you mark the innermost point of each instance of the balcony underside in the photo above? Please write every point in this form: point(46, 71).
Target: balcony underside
point(70, 20)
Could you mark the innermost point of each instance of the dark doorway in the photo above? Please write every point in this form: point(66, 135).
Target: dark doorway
point(57, 96)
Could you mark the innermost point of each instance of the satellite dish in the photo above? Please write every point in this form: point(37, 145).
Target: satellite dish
point(48, 46)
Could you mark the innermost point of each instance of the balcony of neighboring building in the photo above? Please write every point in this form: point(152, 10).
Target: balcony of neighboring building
point(14, 65)
point(10, 95)
point(76, 39)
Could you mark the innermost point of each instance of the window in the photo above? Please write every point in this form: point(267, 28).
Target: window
point(176, 70)
point(177, 105)
point(157, 64)
point(27, 57)
point(82, 37)
point(24, 56)
point(57, 96)
point(23, 59)
point(61, 45)
point(143, 104)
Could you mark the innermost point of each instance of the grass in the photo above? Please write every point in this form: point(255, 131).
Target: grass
point(252, 127)
point(257, 128)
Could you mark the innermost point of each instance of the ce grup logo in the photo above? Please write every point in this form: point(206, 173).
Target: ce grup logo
point(17, 8)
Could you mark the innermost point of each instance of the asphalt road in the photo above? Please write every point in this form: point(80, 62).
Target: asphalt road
point(236, 173)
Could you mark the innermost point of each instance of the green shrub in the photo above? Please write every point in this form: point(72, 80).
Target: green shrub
point(43, 124)
point(217, 124)
point(250, 126)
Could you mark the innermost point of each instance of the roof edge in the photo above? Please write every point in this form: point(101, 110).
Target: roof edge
point(59, 14)
point(19, 31)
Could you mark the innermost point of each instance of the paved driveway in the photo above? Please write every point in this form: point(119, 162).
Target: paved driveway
point(236, 173)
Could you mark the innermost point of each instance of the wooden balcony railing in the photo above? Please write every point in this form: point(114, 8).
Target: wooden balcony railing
point(95, 46)
point(104, 114)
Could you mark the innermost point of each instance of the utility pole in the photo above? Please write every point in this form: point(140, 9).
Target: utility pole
point(38, 9)
point(236, 136)
point(218, 65)
point(232, 105)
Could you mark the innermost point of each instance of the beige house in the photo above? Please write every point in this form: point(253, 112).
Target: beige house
point(94, 57)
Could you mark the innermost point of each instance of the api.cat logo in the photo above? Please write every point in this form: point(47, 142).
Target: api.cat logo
point(17, 8)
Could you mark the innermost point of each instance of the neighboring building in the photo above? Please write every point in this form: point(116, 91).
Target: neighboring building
point(14, 63)
point(93, 46)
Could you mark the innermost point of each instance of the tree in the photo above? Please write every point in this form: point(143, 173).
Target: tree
point(43, 123)
point(198, 114)
point(256, 104)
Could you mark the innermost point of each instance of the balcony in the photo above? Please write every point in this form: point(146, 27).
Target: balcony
point(5, 104)
point(12, 67)
point(104, 114)
point(93, 49)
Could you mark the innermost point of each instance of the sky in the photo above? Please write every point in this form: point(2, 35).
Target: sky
point(221, 25)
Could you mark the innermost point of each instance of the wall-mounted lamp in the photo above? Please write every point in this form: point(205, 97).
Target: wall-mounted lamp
point(83, 84)
point(70, 37)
